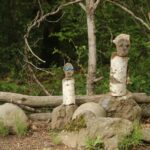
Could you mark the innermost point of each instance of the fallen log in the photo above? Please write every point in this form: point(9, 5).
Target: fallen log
point(53, 101)
point(141, 97)
point(43, 101)
point(40, 116)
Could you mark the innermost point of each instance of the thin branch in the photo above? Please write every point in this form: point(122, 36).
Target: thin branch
point(82, 6)
point(33, 74)
point(57, 10)
point(27, 35)
point(39, 68)
point(96, 4)
point(98, 79)
point(31, 109)
point(131, 13)
point(29, 48)
point(38, 82)
point(38, 20)
point(56, 20)
point(40, 7)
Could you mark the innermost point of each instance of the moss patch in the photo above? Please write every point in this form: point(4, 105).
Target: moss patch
point(76, 124)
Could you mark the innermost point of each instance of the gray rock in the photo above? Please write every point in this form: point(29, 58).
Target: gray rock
point(62, 115)
point(121, 107)
point(11, 115)
point(95, 108)
point(110, 130)
point(146, 134)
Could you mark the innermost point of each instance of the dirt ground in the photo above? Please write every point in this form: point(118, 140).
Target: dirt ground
point(40, 138)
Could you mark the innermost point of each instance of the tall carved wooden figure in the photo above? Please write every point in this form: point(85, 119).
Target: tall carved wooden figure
point(119, 63)
point(68, 85)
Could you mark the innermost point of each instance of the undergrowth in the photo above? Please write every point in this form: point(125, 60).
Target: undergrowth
point(132, 140)
point(76, 124)
point(20, 127)
point(3, 129)
point(94, 144)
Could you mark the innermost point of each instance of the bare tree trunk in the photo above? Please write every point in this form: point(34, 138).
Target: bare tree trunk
point(92, 47)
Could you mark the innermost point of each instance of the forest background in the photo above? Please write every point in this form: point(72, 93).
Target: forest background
point(62, 38)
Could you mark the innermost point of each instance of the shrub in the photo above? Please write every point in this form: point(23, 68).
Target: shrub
point(3, 129)
point(133, 140)
point(94, 144)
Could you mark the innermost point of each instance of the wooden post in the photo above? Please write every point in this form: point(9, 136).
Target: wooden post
point(68, 85)
point(118, 68)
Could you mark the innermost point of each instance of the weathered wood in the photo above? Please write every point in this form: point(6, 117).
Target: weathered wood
point(43, 101)
point(40, 116)
point(118, 75)
point(141, 97)
point(53, 101)
point(68, 91)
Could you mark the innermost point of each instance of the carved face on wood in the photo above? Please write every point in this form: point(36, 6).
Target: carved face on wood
point(122, 43)
point(68, 70)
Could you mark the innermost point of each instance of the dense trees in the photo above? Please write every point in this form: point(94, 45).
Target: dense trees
point(63, 37)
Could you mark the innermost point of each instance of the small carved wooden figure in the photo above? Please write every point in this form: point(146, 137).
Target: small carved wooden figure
point(68, 70)
point(122, 43)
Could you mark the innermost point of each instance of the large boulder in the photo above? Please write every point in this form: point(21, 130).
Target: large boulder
point(62, 115)
point(111, 131)
point(121, 107)
point(12, 116)
point(95, 108)
point(146, 134)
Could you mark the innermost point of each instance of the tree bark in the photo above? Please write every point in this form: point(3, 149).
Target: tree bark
point(53, 101)
point(40, 116)
point(118, 75)
point(91, 46)
point(43, 101)
point(141, 97)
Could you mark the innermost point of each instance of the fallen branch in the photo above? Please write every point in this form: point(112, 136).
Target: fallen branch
point(40, 116)
point(131, 13)
point(52, 101)
point(44, 101)
point(141, 97)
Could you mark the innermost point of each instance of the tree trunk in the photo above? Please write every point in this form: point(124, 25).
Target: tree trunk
point(91, 46)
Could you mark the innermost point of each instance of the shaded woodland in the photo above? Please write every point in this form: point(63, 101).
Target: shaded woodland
point(62, 38)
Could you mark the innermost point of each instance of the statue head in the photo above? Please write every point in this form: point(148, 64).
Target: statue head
point(68, 70)
point(122, 43)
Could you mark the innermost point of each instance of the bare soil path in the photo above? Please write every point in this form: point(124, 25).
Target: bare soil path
point(40, 138)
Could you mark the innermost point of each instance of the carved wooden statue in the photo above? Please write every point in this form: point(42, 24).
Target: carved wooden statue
point(119, 64)
point(68, 70)
point(122, 43)
point(68, 85)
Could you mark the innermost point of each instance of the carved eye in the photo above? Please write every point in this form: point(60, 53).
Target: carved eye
point(127, 45)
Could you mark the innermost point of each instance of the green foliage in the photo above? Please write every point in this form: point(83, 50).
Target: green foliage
point(20, 127)
point(94, 144)
point(72, 27)
point(133, 140)
point(76, 124)
point(3, 129)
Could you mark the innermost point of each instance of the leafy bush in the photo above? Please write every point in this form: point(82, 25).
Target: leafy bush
point(20, 127)
point(3, 129)
point(94, 144)
point(133, 140)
